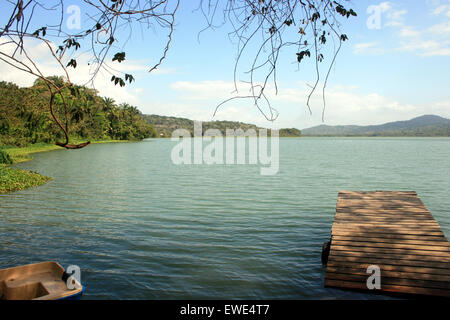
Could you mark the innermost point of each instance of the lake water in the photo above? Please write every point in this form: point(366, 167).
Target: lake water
point(140, 227)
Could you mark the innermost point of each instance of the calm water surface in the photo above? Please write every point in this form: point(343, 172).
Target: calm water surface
point(141, 227)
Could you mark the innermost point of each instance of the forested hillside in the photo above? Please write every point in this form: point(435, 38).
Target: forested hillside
point(166, 125)
point(25, 117)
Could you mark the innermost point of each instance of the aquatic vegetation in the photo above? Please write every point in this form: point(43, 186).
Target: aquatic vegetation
point(13, 179)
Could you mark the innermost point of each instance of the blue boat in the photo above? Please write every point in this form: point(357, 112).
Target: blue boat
point(39, 281)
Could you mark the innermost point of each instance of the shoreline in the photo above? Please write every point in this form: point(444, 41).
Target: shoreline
point(23, 154)
point(15, 179)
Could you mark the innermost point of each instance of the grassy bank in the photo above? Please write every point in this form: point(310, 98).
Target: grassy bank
point(23, 154)
point(14, 179)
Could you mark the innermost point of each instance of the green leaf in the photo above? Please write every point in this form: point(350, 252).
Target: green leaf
point(119, 57)
point(302, 54)
point(72, 63)
point(315, 16)
point(129, 78)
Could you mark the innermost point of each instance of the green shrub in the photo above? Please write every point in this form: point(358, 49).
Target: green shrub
point(5, 158)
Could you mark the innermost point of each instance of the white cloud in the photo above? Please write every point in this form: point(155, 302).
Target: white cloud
point(368, 48)
point(164, 71)
point(345, 105)
point(385, 6)
point(408, 31)
point(430, 41)
point(200, 99)
point(203, 89)
point(348, 106)
point(48, 66)
point(395, 18)
point(441, 29)
point(423, 46)
point(437, 52)
point(442, 9)
point(434, 41)
point(426, 42)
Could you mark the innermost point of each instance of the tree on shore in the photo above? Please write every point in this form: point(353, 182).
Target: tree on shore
point(24, 118)
point(307, 25)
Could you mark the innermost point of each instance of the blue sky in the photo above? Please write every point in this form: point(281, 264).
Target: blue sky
point(398, 70)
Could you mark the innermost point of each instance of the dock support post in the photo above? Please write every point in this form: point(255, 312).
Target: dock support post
point(325, 252)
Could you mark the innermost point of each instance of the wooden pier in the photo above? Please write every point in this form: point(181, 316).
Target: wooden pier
point(394, 231)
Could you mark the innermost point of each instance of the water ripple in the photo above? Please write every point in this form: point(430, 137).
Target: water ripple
point(142, 228)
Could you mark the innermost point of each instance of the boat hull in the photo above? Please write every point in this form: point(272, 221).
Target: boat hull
point(39, 281)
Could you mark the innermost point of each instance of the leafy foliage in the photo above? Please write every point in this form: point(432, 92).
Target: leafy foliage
point(119, 57)
point(25, 118)
point(4, 157)
point(13, 179)
point(270, 26)
point(290, 132)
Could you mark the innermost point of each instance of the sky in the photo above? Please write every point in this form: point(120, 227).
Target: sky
point(395, 66)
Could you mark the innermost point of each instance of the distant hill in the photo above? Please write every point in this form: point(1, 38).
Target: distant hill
point(425, 126)
point(166, 125)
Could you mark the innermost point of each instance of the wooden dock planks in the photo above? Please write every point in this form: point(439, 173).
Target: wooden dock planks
point(394, 231)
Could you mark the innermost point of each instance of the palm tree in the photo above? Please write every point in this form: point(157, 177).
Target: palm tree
point(76, 112)
point(109, 107)
point(108, 104)
point(124, 107)
point(112, 112)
